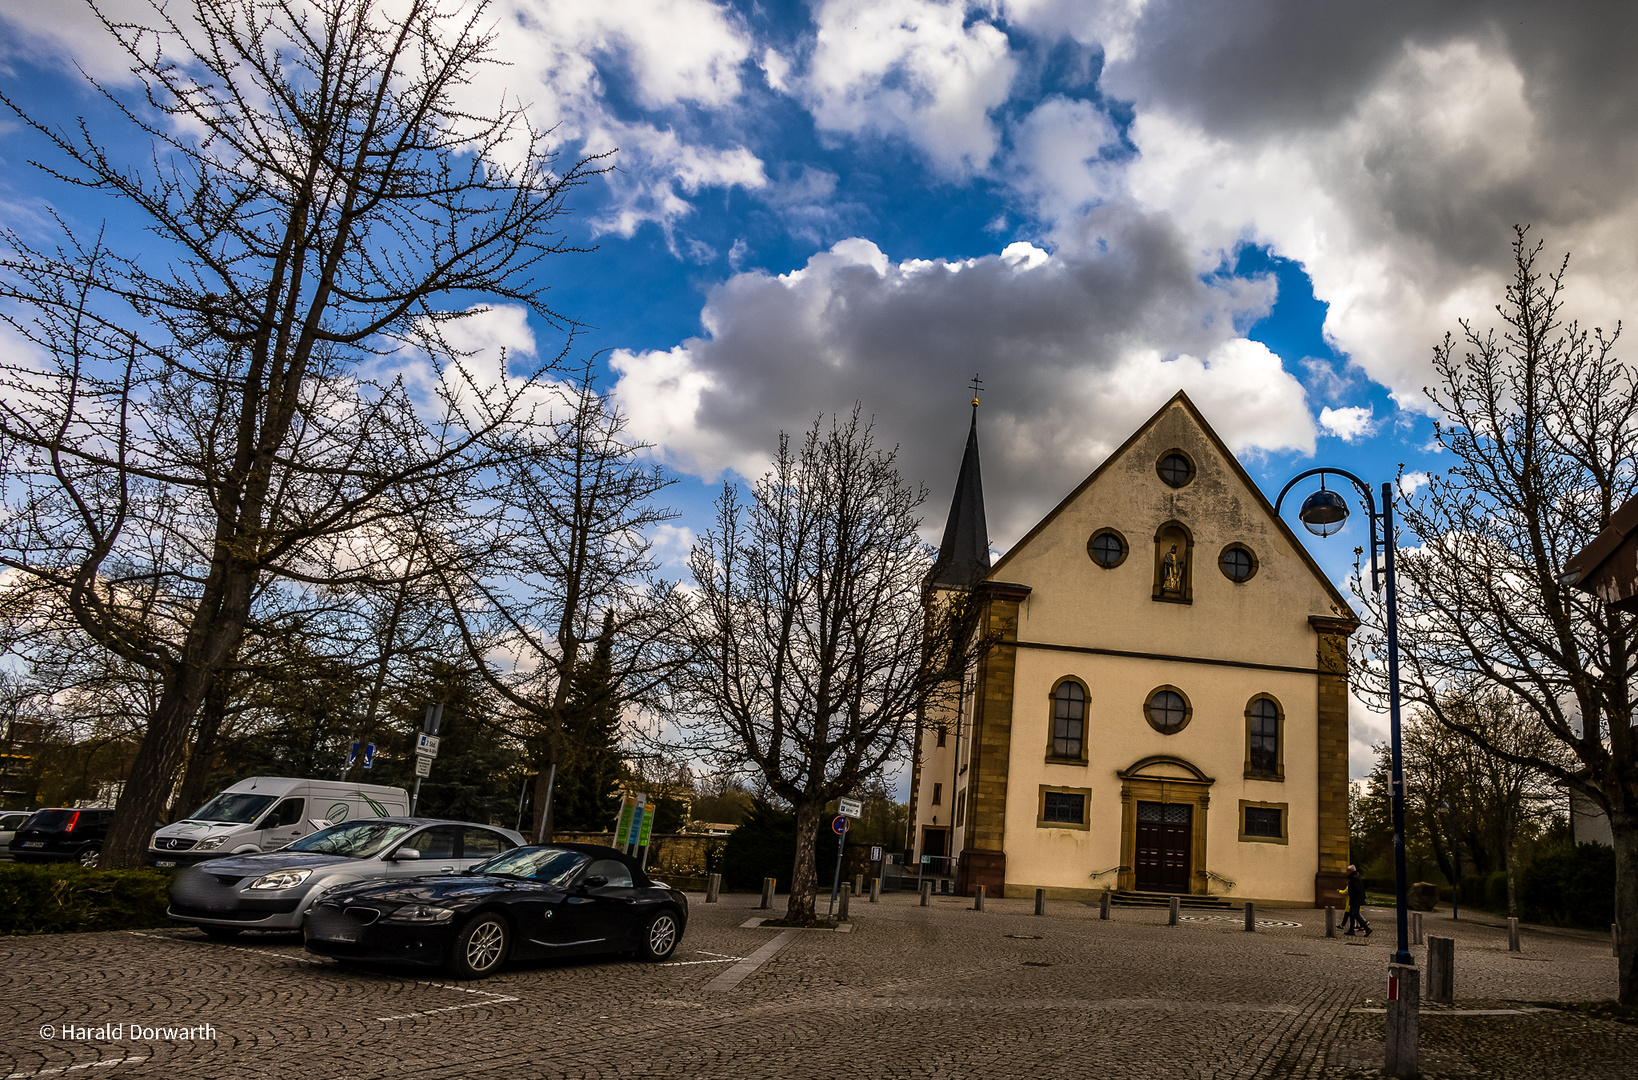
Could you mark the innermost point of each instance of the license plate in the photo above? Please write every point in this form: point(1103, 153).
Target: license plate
point(32, 843)
point(164, 862)
point(335, 928)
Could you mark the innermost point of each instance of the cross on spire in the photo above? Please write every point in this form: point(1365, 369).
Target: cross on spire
point(977, 387)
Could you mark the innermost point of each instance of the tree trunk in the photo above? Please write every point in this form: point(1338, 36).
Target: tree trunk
point(189, 796)
point(804, 871)
point(142, 800)
point(1512, 880)
point(1624, 832)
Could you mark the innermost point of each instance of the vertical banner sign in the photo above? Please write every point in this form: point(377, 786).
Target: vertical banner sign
point(637, 821)
point(369, 756)
point(352, 755)
point(648, 825)
point(623, 825)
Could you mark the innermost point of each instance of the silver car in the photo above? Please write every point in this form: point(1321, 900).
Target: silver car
point(272, 890)
point(10, 822)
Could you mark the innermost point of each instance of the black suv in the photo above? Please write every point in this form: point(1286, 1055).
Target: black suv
point(57, 834)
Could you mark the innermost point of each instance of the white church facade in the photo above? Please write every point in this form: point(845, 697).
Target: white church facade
point(1165, 705)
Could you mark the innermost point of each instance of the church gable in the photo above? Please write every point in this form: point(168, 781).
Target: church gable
point(1169, 547)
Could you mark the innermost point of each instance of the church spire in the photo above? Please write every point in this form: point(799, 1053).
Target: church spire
point(964, 556)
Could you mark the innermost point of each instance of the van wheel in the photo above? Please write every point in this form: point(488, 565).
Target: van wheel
point(479, 946)
point(222, 933)
point(88, 856)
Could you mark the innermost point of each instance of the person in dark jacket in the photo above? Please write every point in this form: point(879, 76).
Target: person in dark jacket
point(1354, 918)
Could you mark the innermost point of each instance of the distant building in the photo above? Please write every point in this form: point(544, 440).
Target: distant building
point(1167, 708)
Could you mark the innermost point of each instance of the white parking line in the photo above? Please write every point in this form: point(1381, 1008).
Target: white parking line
point(690, 963)
point(235, 948)
point(59, 1070)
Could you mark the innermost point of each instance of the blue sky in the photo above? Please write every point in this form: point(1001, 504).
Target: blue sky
point(1275, 205)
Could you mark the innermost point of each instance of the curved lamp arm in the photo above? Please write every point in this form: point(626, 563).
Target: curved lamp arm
point(1370, 509)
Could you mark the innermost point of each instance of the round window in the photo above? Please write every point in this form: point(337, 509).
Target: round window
point(1238, 563)
point(1168, 711)
point(1176, 469)
point(1107, 548)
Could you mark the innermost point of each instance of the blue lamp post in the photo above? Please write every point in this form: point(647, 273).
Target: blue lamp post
point(1324, 513)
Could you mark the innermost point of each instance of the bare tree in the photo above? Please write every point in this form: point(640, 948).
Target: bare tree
point(1542, 423)
point(558, 557)
point(811, 647)
point(1493, 802)
point(316, 196)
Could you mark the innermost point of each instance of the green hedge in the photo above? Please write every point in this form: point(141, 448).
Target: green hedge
point(62, 898)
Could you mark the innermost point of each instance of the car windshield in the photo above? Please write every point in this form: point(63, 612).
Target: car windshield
point(554, 866)
point(235, 806)
point(354, 839)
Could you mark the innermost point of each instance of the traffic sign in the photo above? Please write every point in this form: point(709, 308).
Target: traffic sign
point(369, 756)
point(352, 755)
point(838, 825)
point(426, 745)
point(423, 766)
point(850, 808)
point(875, 854)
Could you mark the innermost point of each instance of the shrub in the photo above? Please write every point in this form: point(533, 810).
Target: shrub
point(1575, 886)
point(64, 898)
point(763, 847)
point(1495, 890)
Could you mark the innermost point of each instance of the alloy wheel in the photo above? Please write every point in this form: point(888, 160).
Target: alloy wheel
point(662, 935)
point(483, 948)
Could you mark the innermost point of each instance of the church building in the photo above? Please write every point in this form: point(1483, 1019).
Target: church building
point(1164, 707)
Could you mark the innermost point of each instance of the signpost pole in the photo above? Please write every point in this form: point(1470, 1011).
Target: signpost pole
point(840, 825)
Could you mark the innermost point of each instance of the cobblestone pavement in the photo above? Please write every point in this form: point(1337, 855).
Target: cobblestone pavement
point(912, 992)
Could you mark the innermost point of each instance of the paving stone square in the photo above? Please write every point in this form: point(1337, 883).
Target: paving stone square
point(912, 992)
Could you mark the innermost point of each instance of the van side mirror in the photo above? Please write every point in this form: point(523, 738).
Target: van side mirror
point(405, 854)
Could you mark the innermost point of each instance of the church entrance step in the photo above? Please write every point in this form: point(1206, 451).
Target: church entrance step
point(1122, 898)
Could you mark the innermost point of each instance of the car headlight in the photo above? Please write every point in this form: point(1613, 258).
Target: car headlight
point(211, 844)
point(281, 879)
point(421, 913)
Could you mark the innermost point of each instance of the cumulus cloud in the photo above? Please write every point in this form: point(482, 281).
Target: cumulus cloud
point(1388, 149)
point(1350, 423)
point(1075, 350)
point(920, 70)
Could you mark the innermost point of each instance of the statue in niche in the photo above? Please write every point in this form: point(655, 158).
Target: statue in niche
point(1171, 573)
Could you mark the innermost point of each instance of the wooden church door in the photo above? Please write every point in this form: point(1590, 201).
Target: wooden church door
point(1164, 835)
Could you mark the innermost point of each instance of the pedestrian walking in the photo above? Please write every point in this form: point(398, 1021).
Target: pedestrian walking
point(1353, 917)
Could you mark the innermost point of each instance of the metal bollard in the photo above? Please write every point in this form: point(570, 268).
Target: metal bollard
point(1103, 905)
point(1251, 917)
point(978, 898)
point(1441, 969)
point(1513, 936)
point(768, 885)
point(1330, 922)
point(1040, 901)
point(1171, 916)
point(712, 885)
point(841, 901)
point(926, 892)
point(1416, 927)
point(876, 889)
point(858, 884)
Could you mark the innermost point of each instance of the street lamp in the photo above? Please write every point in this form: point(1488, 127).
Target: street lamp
point(1323, 513)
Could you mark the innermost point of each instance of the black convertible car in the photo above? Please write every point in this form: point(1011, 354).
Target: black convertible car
point(556, 900)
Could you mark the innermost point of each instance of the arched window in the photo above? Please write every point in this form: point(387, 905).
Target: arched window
point(1069, 720)
point(1263, 759)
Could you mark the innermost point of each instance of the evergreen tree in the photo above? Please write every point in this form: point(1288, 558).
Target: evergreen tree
point(586, 794)
point(476, 774)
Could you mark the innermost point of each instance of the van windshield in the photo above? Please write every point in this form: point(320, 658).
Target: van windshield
point(239, 807)
point(354, 839)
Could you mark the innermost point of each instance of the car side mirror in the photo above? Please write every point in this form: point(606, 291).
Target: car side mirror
point(405, 854)
point(596, 881)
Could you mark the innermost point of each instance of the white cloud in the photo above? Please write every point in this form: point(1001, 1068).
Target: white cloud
point(1056, 164)
point(912, 69)
point(672, 545)
point(1349, 423)
point(1075, 351)
point(1410, 482)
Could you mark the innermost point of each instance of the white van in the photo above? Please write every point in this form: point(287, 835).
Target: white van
point(264, 813)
